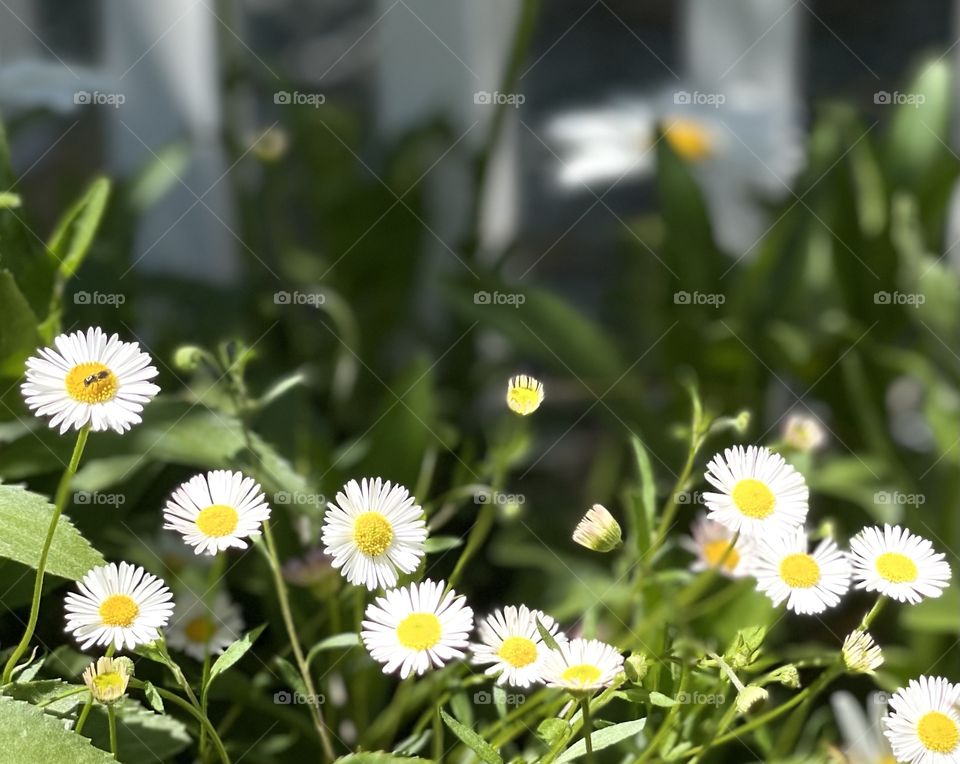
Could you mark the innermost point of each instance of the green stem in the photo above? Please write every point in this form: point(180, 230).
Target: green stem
point(60, 501)
point(872, 613)
point(112, 723)
point(213, 577)
point(587, 727)
point(657, 741)
point(68, 694)
point(200, 718)
point(284, 599)
point(78, 728)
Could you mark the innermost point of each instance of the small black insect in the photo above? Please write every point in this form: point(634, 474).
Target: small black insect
point(87, 381)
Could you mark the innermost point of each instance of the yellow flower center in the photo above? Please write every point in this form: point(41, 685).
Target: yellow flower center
point(896, 568)
point(753, 498)
point(518, 651)
point(372, 533)
point(938, 732)
point(523, 400)
point(581, 674)
point(91, 383)
point(199, 630)
point(799, 571)
point(419, 631)
point(217, 520)
point(108, 685)
point(713, 552)
point(689, 139)
point(118, 610)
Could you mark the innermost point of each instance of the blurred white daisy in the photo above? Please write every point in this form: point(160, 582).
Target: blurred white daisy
point(582, 665)
point(199, 629)
point(861, 655)
point(863, 740)
point(373, 530)
point(760, 494)
point(90, 378)
point(898, 564)
point(416, 627)
point(709, 541)
point(511, 642)
point(107, 678)
point(524, 394)
point(804, 433)
point(924, 727)
point(216, 511)
point(810, 583)
point(120, 605)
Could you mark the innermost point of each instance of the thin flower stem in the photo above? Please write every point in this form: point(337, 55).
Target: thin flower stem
point(214, 576)
point(112, 722)
point(57, 698)
point(284, 601)
point(60, 501)
point(195, 713)
point(658, 739)
point(587, 727)
point(872, 613)
point(82, 719)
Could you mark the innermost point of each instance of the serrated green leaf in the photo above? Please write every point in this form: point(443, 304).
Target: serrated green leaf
point(24, 519)
point(472, 740)
point(235, 652)
point(38, 737)
point(604, 738)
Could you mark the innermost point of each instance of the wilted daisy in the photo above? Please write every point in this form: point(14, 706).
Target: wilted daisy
point(416, 626)
point(120, 604)
point(216, 511)
point(761, 495)
point(898, 564)
point(511, 642)
point(709, 541)
point(200, 630)
point(861, 655)
point(810, 583)
point(373, 530)
point(924, 727)
point(597, 530)
point(107, 679)
point(90, 378)
point(524, 394)
point(804, 433)
point(582, 665)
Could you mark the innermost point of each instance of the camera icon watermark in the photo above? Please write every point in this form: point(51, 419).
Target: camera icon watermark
point(516, 299)
point(299, 498)
point(313, 299)
point(97, 98)
point(688, 497)
point(484, 698)
point(287, 698)
point(115, 299)
point(913, 299)
point(715, 299)
point(696, 98)
point(496, 98)
point(896, 98)
point(899, 499)
point(296, 98)
point(98, 499)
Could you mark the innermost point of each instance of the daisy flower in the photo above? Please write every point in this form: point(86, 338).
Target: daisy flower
point(119, 604)
point(804, 433)
point(861, 655)
point(709, 541)
point(200, 630)
point(416, 626)
point(760, 494)
point(524, 394)
point(898, 564)
point(511, 642)
point(216, 511)
point(598, 530)
point(924, 727)
point(90, 379)
point(860, 728)
point(107, 679)
point(810, 583)
point(373, 530)
point(582, 664)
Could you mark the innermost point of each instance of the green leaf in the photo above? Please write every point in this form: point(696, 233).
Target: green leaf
point(380, 757)
point(472, 740)
point(547, 637)
point(290, 675)
point(336, 642)
point(554, 731)
point(74, 233)
point(153, 697)
point(142, 735)
point(646, 510)
point(436, 544)
point(659, 699)
point(37, 737)
point(19, 337)
point(46, 691)
point(604, 738)
point(24, 519)
point(235, 652)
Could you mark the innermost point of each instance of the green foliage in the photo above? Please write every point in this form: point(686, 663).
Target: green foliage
point(37, 737)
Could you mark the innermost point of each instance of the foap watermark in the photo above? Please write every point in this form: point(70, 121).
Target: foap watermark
point(97, 98)
point(899, 499)
point(484, 698)
point(516, 299)
point(299, 498)
point(896, 98)
point(116, 299)
point(99, 499)
point(714, 299)
point(696, 98)
point(296, 98)
point(913, 299)
point(689, 497)
point(286, 698)
point(313, 299)
point(701, 699)
point(496, 98)
point(499, 498)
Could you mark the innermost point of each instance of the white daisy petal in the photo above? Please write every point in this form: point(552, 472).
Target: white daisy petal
point(199, 629)
point(89, 378)
point(119, 604)
point(809, 582)
point(373, 531)
point(415, 627)
point(582, 664)
point(759, 493)
point(898, 564)
point(216, 511)
point(511, 642)
point(709, 541)
point(924, 727)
